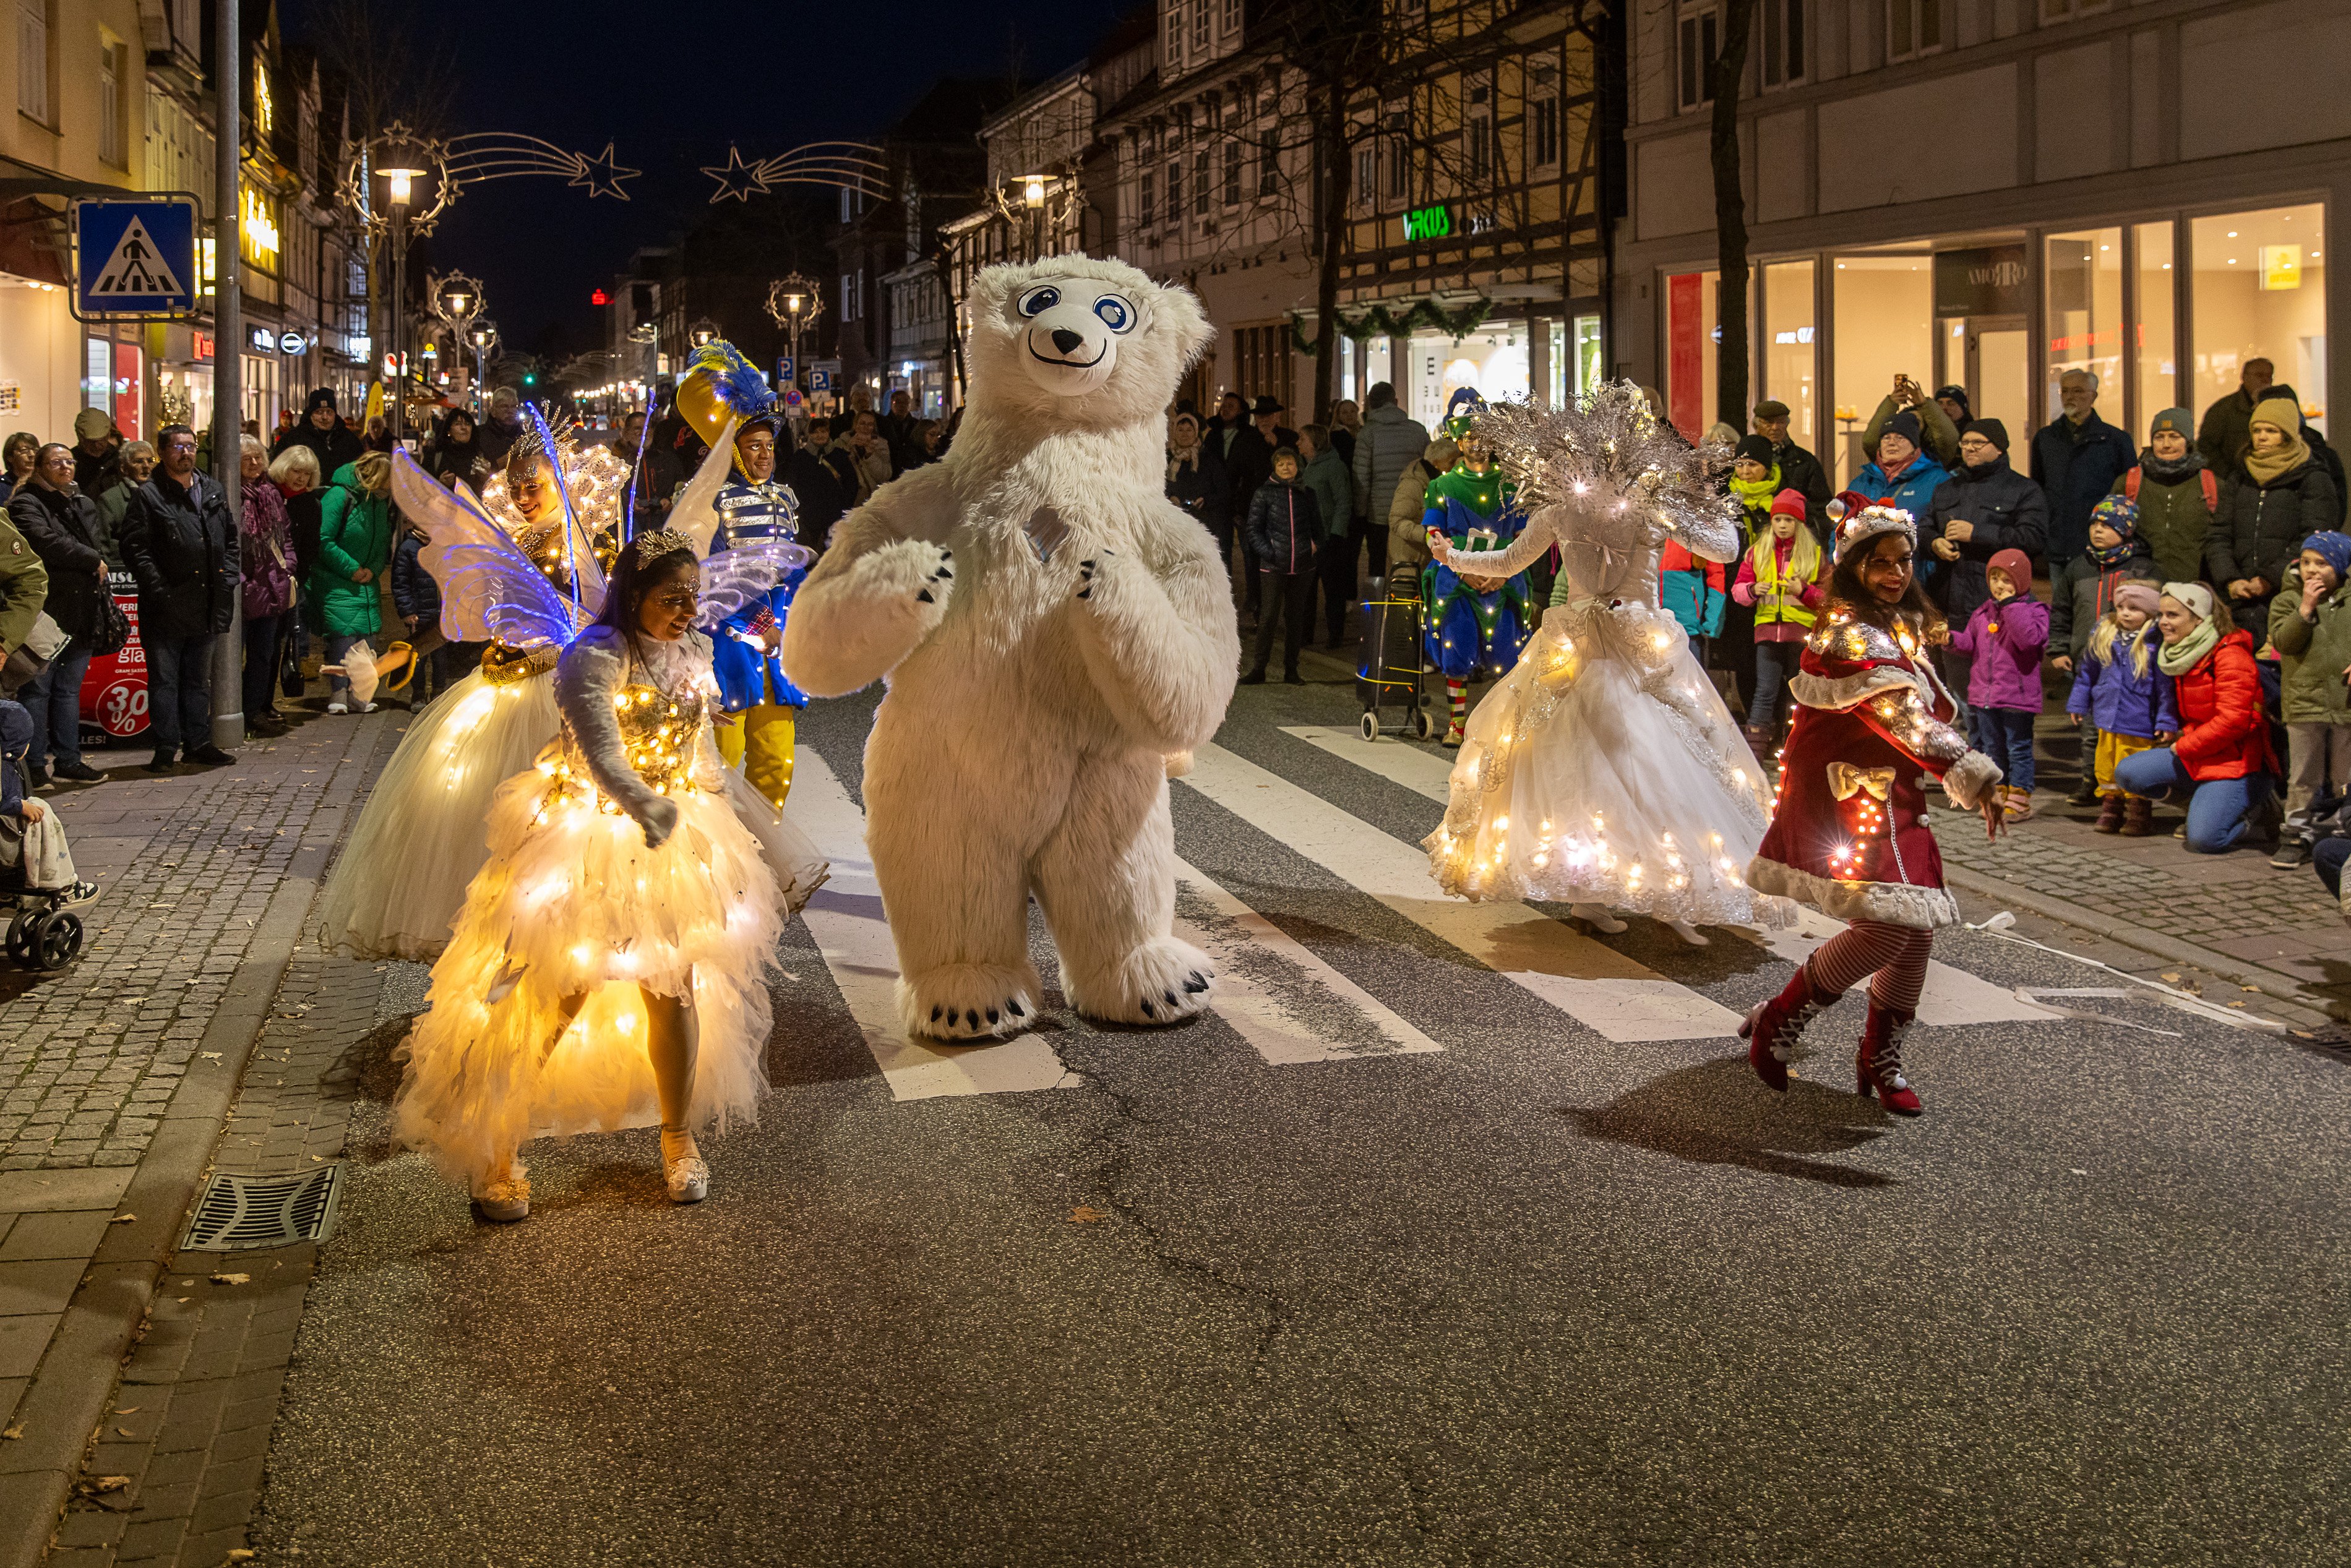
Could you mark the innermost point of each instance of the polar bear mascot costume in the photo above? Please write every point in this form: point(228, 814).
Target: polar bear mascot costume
point(1054, 632)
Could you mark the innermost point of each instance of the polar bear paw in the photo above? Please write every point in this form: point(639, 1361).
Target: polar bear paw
point(969, 1002)
point(1094, 570)
point(910, 572)
point(1161, 982)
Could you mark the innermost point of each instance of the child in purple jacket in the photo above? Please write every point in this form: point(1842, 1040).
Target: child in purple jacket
point(2006, 637)
point(2118, 688)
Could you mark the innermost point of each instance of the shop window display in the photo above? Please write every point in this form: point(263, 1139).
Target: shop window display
point(2258, 291)
point(1884, 327)
point(2155, 333)
point(1693, 329)
point(1790, 364)
point(1493, 359)
point(2082, 280)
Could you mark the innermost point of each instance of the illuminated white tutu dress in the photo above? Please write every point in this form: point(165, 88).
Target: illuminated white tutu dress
point(402, 877)
point(618, 862)
point(1604, 769)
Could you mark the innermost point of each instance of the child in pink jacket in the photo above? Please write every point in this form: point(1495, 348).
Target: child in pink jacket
point(2006, 638)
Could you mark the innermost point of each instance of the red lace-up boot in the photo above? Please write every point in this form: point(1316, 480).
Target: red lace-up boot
point(1878, 1062)
point(1772, 1030)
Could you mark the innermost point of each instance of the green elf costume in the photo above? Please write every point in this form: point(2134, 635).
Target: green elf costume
point(1471, 625)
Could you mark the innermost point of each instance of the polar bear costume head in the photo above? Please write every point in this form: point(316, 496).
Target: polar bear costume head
point(1078, 341)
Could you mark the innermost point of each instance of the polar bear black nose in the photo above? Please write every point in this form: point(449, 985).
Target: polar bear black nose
point(1069, 342)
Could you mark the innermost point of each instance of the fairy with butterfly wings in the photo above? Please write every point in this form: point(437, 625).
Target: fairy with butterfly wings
point(526, 588)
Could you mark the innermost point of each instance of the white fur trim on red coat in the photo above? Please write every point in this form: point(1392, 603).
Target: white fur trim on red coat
point(1889, 902)
point(1966, 780)
point(1842, 693)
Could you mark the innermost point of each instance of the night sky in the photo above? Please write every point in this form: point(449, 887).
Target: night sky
point(670, 85)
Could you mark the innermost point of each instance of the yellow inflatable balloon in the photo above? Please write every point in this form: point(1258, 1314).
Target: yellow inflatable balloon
point(719, 384)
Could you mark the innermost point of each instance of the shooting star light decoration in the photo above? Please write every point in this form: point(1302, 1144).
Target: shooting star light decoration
point(857, 166)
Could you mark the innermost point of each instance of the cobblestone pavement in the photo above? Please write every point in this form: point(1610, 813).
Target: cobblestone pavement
point(89, 1057)
point(2235, 904)
point(177, 1464)
point(116, 1073)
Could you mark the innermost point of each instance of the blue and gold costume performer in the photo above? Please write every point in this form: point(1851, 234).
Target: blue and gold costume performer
point(1473, 625)
point(756, 727)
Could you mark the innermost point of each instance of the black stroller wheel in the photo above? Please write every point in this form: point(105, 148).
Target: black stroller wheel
point(57, 939)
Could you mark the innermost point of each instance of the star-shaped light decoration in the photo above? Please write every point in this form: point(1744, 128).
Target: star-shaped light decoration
point(602, 175)
point(736, 178)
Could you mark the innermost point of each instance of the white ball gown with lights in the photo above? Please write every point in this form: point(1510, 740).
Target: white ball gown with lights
point(537, 1025)
point(397, 886)
point(1604, 770)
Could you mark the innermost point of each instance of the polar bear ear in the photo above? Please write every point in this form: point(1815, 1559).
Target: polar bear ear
point(1175, 314)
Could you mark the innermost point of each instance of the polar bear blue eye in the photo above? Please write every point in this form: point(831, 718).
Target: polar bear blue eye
point(1115, 313)
point(1037, 301)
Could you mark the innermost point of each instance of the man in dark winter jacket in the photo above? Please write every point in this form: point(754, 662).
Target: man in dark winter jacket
point(1985, 508)
point(2228, 427)
point(1799, 470)
point(97, 452)
point(319, 430)
point(818, 486)
point(180, 539)
point(61, 525)
point(2077, 457)
point(1390, 442)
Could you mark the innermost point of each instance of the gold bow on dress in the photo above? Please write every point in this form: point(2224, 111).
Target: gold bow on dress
point(1845, 781)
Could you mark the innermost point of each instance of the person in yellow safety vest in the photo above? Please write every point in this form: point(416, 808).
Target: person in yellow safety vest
point(1784, 577)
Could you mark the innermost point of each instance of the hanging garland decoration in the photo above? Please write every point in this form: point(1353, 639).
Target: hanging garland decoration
point(1379, 322)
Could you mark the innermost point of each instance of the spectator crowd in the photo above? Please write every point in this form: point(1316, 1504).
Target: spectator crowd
point(2182, 602)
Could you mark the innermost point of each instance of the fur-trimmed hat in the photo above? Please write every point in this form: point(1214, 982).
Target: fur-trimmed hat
point(1860, 520)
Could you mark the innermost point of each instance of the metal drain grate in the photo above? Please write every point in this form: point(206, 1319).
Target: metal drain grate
point(239, 1212)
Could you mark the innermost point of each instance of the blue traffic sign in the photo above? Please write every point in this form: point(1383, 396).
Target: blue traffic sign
point(820, 378)
point(134, 258)
point(785, 366)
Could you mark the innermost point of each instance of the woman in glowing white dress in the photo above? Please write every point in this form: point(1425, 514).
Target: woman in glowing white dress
point(1604, 770)
point(610, 966)
point(402, 874)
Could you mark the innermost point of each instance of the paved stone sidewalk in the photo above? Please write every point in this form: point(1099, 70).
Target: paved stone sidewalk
point(115, 1074)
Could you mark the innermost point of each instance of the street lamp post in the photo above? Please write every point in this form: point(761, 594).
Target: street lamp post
point(457, 300)
point(792, 300)
point(703, 331)
point(227, 652)
point(408, 168)
point(1032, 196)
point(483, 336)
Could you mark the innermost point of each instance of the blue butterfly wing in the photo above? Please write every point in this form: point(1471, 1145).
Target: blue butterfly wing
point(489, 588)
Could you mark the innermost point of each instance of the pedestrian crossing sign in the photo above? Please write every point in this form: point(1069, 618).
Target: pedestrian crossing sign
point(134, 257)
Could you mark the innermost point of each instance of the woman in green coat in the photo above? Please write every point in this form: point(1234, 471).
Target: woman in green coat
point(354, 548)
point(2175, 495)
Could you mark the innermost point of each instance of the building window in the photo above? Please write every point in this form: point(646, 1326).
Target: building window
point(1698, 41)
point(1146, 206)
point(1543, 132)
point(1232, 172)
point(1782, 22)
point(1269, 161)
point(109, 106)
point(1367, 170)
point(1791, 365)
point(1913, 27)
point(1232, 18)
point(1199, 28)
point(1174, 191)
point(2258, 291)
point(1202, 186)
point(1173, 48)
point(849, 282)
point(1479, 131)
point(33, 58)
point(1399, 153)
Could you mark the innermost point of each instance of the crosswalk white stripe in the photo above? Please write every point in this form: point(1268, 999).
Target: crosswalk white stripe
point(845, 918)
point(1952, 998)
point(1617, 997)
point(1286, 1030)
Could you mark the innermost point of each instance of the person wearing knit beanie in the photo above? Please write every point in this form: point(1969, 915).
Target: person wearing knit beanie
point(1788, 503)
point(2176, 420)
point(1991, 429)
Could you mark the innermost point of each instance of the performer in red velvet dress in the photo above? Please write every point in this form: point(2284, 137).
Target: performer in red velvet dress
point(1849, 833)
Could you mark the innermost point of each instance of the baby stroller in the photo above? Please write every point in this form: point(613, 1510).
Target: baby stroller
point(1390, 667)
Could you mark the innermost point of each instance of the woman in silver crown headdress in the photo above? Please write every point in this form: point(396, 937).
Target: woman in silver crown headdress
point(1604, 771)
point(610, 965)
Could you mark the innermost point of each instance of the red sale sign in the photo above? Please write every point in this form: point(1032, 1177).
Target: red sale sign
point(114, 689)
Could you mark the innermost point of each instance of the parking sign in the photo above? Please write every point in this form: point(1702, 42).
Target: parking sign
point(134, 258)
point(820, 378)
point(785, 366)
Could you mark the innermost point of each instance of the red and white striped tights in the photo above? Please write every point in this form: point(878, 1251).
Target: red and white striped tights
point(1893, 959)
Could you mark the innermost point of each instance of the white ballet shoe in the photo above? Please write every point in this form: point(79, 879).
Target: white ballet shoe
point(1596, 917)
point(688, 1178)
point(1687, 933)
point(504, 1199)
point(682, 1167)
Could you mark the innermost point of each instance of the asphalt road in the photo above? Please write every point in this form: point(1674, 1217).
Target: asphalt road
point(1540, 1297)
